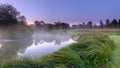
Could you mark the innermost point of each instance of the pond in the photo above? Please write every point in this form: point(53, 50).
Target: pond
point(39, 45)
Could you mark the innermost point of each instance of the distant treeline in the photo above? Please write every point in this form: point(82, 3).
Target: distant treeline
point(41, 25)
point(10, 16)
point(108, 24)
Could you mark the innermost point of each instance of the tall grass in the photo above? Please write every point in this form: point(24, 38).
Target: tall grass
point(91, 51)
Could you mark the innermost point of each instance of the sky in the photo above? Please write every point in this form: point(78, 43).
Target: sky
point(69, 11)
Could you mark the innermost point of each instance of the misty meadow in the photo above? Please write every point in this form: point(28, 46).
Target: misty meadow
point(55, 40)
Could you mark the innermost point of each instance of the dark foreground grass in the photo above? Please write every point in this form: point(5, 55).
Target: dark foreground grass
point(91, 51)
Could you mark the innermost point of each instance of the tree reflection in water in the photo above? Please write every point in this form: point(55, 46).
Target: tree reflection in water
point(10, 48)
point(41, 43)
point(45, 44)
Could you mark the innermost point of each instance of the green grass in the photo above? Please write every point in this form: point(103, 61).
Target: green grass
point(116, 52)
point(91, 51)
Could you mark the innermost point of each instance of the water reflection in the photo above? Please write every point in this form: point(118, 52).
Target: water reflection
point(41, 44)
point(9, 49)
point(44, 48)
point(49, 37)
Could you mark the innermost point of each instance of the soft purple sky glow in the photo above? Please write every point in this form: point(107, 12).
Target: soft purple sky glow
point(70, 11)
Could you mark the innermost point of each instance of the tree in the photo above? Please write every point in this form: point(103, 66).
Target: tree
point(89, 25)
point(10, 21)
point(48, 27)
point(74, 26)
point(101, 24)
point(22, 20)
point(58, 25)
point(83, 24)
point(39, 24)
point(80, 26)
point(10, 16)
point(114, 23)
point(61, 25)
point(119, 23)
point(65, 25)
point(107, 23)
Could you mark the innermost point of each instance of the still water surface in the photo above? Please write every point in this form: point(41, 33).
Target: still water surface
point(37, 46)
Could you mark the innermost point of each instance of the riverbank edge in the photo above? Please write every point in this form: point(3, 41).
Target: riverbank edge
point(76, 55)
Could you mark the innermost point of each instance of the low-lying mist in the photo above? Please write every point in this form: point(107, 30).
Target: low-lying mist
point(45, 43)
point(51, 36)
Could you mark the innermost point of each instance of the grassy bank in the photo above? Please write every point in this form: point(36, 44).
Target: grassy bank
point(91, 51)
point(116, 52)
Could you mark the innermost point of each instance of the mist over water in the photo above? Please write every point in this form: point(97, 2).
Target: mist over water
point(41, 44)
point(51, 36)
point(44, 48)
point(46, 43)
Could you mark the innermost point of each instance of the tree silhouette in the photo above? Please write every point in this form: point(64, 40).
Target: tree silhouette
point(39, 24)
point(10, 16)
point(22, 20)
point(61, 25)
point(12, 24)
point(48, 27)
point(83, 24)
point(89, 25)
point(114, 23)
point(101, 24)
point(75, 26)
point(80, 26)
point(119, 23)
point(107, 23)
